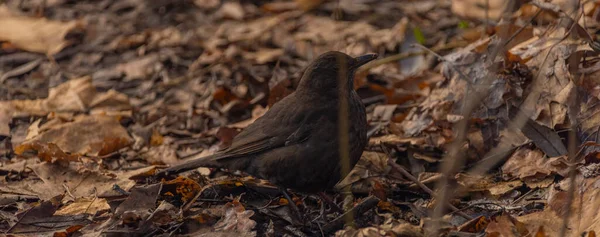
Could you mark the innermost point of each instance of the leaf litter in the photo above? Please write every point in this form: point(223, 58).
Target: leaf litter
point(96, 97)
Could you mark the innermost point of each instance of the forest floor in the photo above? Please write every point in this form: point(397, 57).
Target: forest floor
point(482, 121)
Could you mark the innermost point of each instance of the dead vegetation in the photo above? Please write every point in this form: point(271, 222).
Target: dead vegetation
point(482, 121)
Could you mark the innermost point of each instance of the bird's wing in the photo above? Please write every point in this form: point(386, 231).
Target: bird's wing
point(273, 130)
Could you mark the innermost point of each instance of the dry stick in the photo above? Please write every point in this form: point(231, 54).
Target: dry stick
point(518, 122)
point(400, 56)
point(572, 157)
point(92, 202)
point(447, 167)
point(571, 191)
point(68, 191)
point(453, 160)
point(343, 129)
point(18, 221)
point(515, 124)
point(362, 207)
point(514, 35)
point(402, 171)
point(188, 205)
point(20, 70)
point(481, 204)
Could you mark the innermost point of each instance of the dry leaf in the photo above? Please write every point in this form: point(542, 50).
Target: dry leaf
point(87, 135)
point(532, 164)
point(76, 95)
point(480, 9)
point(237, 219)
point(232, 10)
point(34, 34)
point(83, 206)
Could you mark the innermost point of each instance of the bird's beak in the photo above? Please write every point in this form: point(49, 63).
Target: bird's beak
point(362, 60)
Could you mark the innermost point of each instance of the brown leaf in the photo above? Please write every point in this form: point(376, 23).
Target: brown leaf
point(35, 34)
point(308, 5)
point(232, 10)
point(76, 95)
point(236, 218)
point(475, 225)
point(83, 206)
point(57, 179)
point(264, 55)
point(531, 164)
point(87, 135)
point(141, 200)
point(479, 10)
point(183, 187)
point(139, 68)
point(544, 138)
point(506, 226)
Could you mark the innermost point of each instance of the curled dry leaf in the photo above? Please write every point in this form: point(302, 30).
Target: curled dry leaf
point(76, 95)
point(487, 183)
point(83, 205)
point(87, 135)
point(232, 10)
point(151, 39)
point(506, 225)
point(264, 55)
point(56, 179)
point(527, 164)
point(390, 227)
point(584, 209)
point(139, 68)
point(553, 88)
point(139, 203)
point(183, 187)
point(481, 9)
point(161, 154)
point(164, 214)
point(38, 35)
point(237, 219)
point(371, 164)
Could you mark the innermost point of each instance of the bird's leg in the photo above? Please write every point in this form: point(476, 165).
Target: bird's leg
point(329, 201)
point(291, 203)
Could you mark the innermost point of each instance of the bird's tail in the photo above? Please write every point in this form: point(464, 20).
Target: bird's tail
point(206, 161)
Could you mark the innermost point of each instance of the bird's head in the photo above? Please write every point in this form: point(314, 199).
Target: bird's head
point(332, 70)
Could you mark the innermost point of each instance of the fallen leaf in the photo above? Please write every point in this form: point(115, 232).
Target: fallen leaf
point(87, 135)
point(506, 226)
point(76, 95)
point(35, 34)
point(532, 164)
point(83, 205)
point(236, 218)
point(232, 10)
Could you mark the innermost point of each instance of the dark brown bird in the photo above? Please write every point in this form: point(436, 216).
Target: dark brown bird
point(296, 143)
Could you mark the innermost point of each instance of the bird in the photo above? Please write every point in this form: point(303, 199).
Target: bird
point(296, 143)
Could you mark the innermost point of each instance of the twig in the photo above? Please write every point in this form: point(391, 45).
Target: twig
point(453, 160)
point(400, 56)
point(92, 202)
point(20, 70)
point(402, 171)
point(18, 221)
point(68, 191)
point(362, 207)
